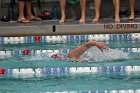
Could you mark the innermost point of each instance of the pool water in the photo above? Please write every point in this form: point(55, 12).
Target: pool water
point(35, 72)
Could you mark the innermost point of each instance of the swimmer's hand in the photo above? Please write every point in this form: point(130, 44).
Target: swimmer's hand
point(101, 46)
point(103, 49)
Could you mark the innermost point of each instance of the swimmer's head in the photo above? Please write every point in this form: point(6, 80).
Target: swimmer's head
point(58, 56)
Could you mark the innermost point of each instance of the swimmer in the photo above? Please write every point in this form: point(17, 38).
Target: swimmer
point(76, 53)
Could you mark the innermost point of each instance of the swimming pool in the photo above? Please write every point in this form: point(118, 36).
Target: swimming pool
point(25, 67)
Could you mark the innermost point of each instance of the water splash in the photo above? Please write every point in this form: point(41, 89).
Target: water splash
point(37, 57)
point(105, 55)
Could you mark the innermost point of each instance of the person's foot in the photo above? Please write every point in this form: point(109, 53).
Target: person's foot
point(131, 17)
point(23, 20)
point(34, 18)
point(95, 20)
point(82, 21)
point(61, 21)
point(117, 20)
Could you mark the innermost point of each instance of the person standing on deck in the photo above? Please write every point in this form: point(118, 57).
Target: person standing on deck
point(30, 16)
point(132, 13)
point(97, 4)
point(62, 8)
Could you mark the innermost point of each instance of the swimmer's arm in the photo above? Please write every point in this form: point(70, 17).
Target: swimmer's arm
point(77, 52)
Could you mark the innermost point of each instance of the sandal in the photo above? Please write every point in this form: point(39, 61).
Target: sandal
point(23, 21)
point(35, 19)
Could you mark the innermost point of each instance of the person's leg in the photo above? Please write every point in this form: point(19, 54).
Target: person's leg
point(117, 9)
point(29, 11)
point(21, 17)
point(62, 8)
point(30, 15)
point(97, 4)
point(83, 10)
point(132, 13)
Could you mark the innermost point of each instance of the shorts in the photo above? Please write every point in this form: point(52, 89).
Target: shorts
point(72, 1)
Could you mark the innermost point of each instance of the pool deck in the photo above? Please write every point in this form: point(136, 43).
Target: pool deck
point(71, 27)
